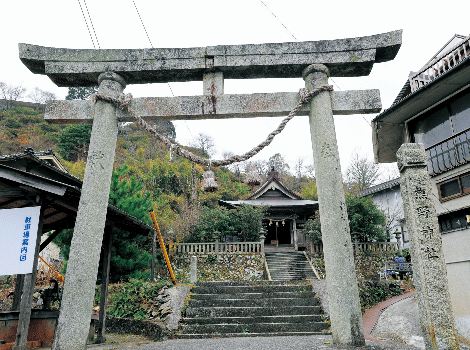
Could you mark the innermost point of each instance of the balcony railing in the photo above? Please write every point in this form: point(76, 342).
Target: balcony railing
point(449, 153)
point(440, 65)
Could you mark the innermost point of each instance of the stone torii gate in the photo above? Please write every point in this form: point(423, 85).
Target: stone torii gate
point(113, 69)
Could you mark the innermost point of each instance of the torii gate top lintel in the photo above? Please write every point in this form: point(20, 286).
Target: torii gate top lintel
point(343, 57)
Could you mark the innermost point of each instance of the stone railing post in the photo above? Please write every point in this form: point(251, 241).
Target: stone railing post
point(217, 248)
point(354, 240)
point(79, 289)
point(262, 237)
point(343, 292)
point(429, 269)
point(399, 242)
point(193, 271)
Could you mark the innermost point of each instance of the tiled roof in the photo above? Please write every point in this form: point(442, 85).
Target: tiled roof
point(380, 187)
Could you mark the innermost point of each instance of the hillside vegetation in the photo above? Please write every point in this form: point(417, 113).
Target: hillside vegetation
point(146, 178)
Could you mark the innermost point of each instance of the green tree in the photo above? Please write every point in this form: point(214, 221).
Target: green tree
point(364, 218)
point(73, 142)
point(81, 93)
point(130, 253)
point(309, 190)
point(243, 222)
point(313, 228)
point(74, 139)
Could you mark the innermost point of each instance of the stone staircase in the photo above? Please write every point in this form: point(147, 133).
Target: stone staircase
point(289, 266)
point(250, 309)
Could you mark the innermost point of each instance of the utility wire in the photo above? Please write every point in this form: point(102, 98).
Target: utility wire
point(84, 18)
point(141, 21)
point(151, 45)
point(282, 24)
point(288, 31)
point(96, 37)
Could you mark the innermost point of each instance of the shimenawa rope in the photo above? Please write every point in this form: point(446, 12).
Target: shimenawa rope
point(123, 102)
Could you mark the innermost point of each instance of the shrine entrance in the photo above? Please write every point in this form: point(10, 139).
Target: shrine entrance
point(279, 233)
point(286, 211)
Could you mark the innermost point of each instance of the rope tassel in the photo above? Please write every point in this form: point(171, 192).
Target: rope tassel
point(209, 184)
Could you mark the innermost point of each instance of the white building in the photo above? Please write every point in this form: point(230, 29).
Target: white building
point(433, 108)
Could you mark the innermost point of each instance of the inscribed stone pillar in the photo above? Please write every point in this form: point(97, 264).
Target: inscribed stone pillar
point(343, 293)
point(79, 289)
point(429, 270)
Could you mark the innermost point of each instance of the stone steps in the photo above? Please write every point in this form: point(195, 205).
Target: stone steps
point(246, 334)
point(252, 311)
point(248, 309)
point(289, 266)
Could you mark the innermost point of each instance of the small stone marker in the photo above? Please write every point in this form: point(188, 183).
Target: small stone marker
point(429, 269)
point(193, 278)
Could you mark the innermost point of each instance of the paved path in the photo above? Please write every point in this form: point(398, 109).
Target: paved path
point(372, 315)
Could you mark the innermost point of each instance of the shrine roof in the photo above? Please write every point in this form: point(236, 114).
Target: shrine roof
point(275, 194)
point(275, 202)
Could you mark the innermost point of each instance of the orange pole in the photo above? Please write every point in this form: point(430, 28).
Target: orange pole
point(162, 246)
point(59, 276)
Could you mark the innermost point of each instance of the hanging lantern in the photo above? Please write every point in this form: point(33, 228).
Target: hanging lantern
point(277, 223)
point(270, 222)
point(209, 184)
point(283, 223)
point(252, 177)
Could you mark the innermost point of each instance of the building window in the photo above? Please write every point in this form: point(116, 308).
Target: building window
point(445, 133)
point(455, 187)
point(454, 221)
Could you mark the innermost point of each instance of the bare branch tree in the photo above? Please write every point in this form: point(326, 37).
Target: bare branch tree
point(361, 173)
point(11, 93)
point(41, 96)
point(299, 167)
point(205, 143)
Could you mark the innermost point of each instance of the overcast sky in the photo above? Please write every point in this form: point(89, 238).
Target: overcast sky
point(426, 25)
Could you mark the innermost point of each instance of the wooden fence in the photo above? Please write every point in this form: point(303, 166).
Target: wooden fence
point(221, 248)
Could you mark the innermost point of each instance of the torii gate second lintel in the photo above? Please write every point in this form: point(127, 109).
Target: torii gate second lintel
point(113, 69)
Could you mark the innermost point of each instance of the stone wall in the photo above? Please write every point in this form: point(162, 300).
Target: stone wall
point(151, 329)
point(225, 268)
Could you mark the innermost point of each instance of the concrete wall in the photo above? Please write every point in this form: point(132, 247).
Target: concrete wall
point(456, 247)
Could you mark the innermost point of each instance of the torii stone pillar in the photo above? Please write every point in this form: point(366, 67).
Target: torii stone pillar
point(67, 67)
point(429, 268)
point(343, 293)
point(79, 288)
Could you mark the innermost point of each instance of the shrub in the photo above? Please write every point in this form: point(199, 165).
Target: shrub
point(129, 301)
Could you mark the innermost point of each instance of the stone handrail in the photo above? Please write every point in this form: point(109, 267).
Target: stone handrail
point(361, 247)
point(221, 248)
point(440, 65)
